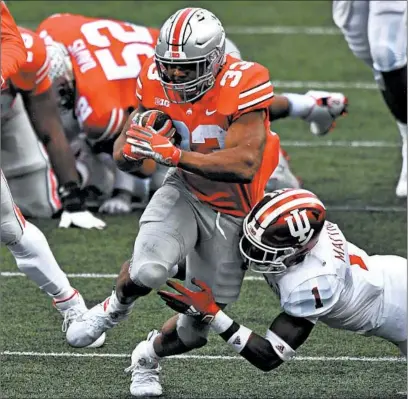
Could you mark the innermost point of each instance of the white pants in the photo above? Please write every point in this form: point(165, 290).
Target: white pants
point(376, 32)
point(393, 325)
point(12, 221)
point(26, 165)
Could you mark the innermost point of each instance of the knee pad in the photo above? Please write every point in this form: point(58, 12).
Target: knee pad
point(192, 332)
point(151, 275)
point(386, 57)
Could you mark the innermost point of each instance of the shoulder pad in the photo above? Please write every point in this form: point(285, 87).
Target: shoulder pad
point(314, 297)
point(33, 75)
point(243, 87)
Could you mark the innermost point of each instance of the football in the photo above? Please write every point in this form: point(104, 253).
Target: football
point(159, 121)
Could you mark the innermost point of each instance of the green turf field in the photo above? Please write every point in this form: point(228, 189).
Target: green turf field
point(350, 177)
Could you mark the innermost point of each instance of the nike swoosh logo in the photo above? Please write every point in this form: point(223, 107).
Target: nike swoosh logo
point(163, 145)
point(208, 113)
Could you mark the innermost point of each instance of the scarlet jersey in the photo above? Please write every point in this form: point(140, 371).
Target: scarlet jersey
point(13, 54)
point(33, 74)
point(107, 57)
point(342, 286)
point(240, 87)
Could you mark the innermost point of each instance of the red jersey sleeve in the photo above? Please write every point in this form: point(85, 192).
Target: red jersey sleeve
point(13, 52)
point(244, 87)
point(33, 75)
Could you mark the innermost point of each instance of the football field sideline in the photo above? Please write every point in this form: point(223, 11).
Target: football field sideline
point(391, 359)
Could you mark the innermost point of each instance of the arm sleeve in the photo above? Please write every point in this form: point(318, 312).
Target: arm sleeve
point(13, 52)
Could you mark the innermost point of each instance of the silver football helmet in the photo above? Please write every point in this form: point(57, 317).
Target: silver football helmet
point(192, 40)
point(61, 74)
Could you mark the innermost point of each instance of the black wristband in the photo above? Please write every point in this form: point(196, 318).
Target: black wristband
point(72, 197)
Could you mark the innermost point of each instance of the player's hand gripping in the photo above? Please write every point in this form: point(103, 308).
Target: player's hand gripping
point(144, 142)
point(328, 107)
point(191, 303)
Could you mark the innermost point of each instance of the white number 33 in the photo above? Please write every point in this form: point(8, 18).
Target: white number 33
point(233, 75)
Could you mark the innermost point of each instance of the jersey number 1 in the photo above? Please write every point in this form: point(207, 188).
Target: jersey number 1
point(318, 301)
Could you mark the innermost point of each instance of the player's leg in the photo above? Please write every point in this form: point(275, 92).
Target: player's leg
point(168, 232)
point(351, 16)
point(387, 34)
point(393, 321)
point(34, 258)
point(216, 260)
point(26, 165)
point(96, 171)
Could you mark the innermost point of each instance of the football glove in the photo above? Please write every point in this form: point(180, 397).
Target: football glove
point(329, 106)
point(74, 209)
point(198, 304)
point(116, 205)
point(143, 142)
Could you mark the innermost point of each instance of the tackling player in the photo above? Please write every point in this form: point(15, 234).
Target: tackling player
point(25, 241)
point(376, 32)
point(317, 275)
point(30, 114)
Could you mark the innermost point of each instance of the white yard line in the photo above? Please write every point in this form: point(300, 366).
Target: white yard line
point(340, 143)
point(260, 30)
point(207, 357)
point(283, 30)
point(313, 84)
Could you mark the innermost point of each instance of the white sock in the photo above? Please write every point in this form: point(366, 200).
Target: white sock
point(150, 349)
point(35, 259)
point(300, 104)
point(115, 306)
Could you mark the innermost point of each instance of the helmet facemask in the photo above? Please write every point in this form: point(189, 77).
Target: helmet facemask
point(263, 259)
point(205, 68)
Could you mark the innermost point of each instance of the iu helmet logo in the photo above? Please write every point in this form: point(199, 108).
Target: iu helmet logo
point(299, 226)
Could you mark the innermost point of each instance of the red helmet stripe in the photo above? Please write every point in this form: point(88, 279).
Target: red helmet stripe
point(178, 29)
point(294, 203)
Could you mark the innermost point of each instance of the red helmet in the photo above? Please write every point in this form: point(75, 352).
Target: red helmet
point(281, 229)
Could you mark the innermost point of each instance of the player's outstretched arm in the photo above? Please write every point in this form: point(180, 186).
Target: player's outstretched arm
point(319, 108)
point(13, 51)
point(284, 336)
point(282, 339)
point(242, 156)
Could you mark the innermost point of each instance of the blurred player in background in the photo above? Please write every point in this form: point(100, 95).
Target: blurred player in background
point(31, 136)
point(317, 275)
point(94, 66)
point(25, 241)
point(112, 53)
point(376, 32)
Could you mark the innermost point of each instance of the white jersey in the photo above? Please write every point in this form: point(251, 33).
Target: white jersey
point(340, 285)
